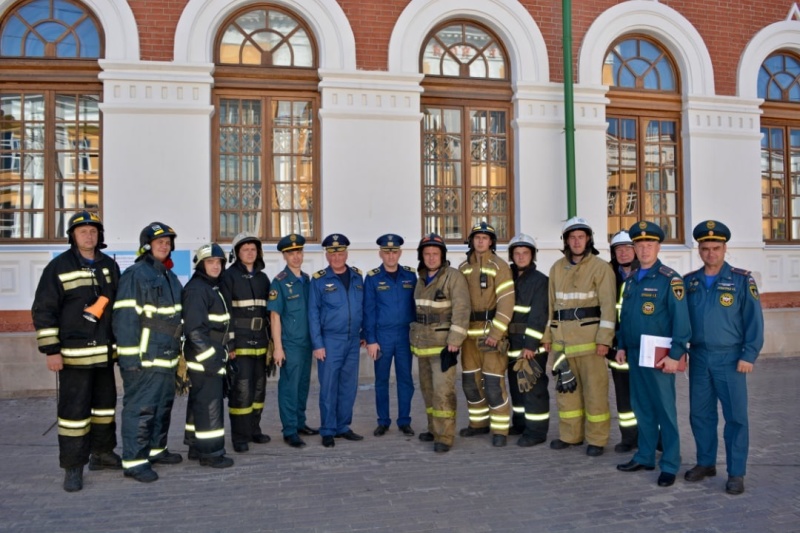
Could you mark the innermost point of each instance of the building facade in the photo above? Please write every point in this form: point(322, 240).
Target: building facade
point(361, 118)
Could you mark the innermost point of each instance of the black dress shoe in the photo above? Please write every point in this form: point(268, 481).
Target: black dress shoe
point(735, 485)
point(527, 441)
point(441, 447)
point(498, 441)
point(349, 435)
point(697, 473)
point(240, 447)
point(381, 430)
point(142, 475)
point(624, 447)
point(261, 438)
point(666, 479)
point(328, 441)
point(594, 451)
point(470, 431)
point(406, 430)
point(305, 430)
point(294, 441)
point(559, 444)
point(633, 466)
point(426, 436)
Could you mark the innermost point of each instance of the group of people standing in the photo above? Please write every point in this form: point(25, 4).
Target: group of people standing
point(228, 329)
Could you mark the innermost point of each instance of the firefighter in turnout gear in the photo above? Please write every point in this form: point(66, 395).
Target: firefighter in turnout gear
point(206, 325)
point(526, 356)
point(245, 285)
point(484, 362)
point(582, 311)
point(72, 316)
point(441, 299)
point(623, 262)
point(147, 325)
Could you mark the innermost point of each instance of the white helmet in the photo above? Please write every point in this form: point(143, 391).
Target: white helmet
point(621, 237)
point(576, 223)
point(522, 239)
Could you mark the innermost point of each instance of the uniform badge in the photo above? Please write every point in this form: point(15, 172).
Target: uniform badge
point(677, 288)
point(711, 224)
point(648, 308)
point(330, 287)
point(726, 299)
point(753, 288)
point(273, 295)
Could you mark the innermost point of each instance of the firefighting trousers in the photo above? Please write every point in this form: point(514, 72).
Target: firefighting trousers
point(205, 415)
point(532, 408)
point(246, 401)
point(484, 382)
point(585, 411)
point(394, 347)
point(293, 386)
point(338, 383)
point(622, 390)
point(439, 393)
point(653, 399)
point(146, 413)
point(713, 377)
point(86, 424)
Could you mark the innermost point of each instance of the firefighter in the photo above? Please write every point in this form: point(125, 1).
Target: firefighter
point(527, 359)
point(147, 325)
point(582, 309)
point(206, 323)
point(442, 310)
point(335, 312)
point(623, 262)
point(491, 293)
point(72, 316)
point(388, 313)
point(245, 285)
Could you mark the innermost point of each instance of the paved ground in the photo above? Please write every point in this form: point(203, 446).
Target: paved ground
point(395, 483)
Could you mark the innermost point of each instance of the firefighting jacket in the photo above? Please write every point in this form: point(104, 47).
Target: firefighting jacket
point(582, 306)
point(205, 324)
point(147, 316)
point(491, 293)
point(68, 285)
point(247, 293)
point(530, 311)
point(442, 312)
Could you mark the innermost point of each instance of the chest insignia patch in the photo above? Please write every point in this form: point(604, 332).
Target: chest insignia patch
point(648, 308)
point(726, 299)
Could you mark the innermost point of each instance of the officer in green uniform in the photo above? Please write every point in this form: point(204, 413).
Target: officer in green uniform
point(288, 307)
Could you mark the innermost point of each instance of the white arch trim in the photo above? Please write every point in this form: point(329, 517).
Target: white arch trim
point(512, 23)
point(119, 27)
point(201, 19)
point(780, 35)
point(662, 23)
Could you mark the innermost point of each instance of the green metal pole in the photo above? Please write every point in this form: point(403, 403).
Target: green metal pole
point(569, 107)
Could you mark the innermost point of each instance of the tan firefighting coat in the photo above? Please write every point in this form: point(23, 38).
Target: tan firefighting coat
point(442, 309)
point(498, 295)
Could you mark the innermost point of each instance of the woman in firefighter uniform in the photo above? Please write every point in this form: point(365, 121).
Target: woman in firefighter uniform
point(441, 298)
point(206, 322)
point(527, 381)
point(73, 328)
point(491, 292)
point(245, 285)
point(147, 325)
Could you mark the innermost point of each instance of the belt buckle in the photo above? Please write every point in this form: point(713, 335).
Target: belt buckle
point(257, 323)
point(422, 319)
point(575, 313)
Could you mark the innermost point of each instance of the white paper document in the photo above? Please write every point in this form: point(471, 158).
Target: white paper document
point(648, 345)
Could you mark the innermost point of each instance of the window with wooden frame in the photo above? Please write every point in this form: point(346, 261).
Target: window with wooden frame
point(643, 149)
point(265, 177)
point(467, 167)
point(50, 124)
point(779, 86)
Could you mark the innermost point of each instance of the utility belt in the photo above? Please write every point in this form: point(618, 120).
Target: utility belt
point(256, 323)
point(433, 318)
point(162, 326)
point(576, 313)
point(482, 316)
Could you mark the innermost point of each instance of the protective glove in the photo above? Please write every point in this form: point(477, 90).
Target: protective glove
point(566, 379)
point(182, 383)
point(231, 372)
point(272, 368)
point(528, 373)
point(448, 358)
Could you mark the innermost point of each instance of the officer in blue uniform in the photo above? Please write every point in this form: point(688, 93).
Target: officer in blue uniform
point(653, 303)
point(288, 307)
point(727, 335)
point(388, 312)
point(335, 311)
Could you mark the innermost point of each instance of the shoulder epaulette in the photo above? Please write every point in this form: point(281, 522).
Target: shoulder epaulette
point(281, 275)
point(741, 272)
point(692, 273)
point(319, 273)
point(374, 271)
point(357, 271)
point(410, 269)
point(664, 270)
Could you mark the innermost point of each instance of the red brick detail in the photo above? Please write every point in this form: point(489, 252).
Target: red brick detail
point(15, 321)
point(780, 300)
point(157, 20)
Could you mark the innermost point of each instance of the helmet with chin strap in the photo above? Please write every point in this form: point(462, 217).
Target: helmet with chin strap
point(85, 218)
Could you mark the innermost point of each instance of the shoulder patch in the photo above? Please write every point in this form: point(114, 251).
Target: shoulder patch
point(356, 270)
point(319, 273)
point(664, 270)
point(273, 295)
point(374, 271)
point(281, 275)
point(751, 286)
point(410, 269)
point(741, 271)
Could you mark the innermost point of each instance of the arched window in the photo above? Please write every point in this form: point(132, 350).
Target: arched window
point(50, 127)
point(779, 86)
point(266, 130)
point(643, 137)
point(467, 168)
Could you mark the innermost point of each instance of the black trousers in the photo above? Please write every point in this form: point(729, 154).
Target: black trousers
point(246, 401)
point(627, 421)
point(205, 415)
point(146, 414)
point(531, 409)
